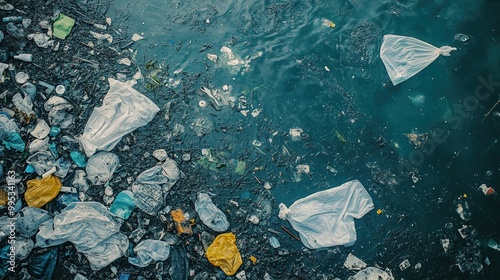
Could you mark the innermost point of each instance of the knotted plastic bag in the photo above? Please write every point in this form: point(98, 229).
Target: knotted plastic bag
point(42, 191)
point(224, 253)
point(404, 57)
point(325, 218)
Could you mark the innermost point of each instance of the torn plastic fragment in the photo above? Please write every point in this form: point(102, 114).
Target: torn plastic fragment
point(372, 273)
point(487, 190)
point(182, 225)
point(354, 263)
point(62, 26)
point(224, 253)
point(326, 218)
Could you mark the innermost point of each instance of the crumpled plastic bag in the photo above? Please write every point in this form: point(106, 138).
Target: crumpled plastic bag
point(41, 191)
point(41, 162)
point(211, 216)
point(29, 219)
point(101, 166)
point(325, 218)
point(404, 57)
point(61, 112)
point(123, 110)
point(224, 253)
point(152, 185)
point(372, 273)
point(93, 230)
point(150, 250)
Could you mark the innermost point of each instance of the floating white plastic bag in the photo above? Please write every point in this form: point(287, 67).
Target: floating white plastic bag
point(404, 57)
point(123, 110)
point(325, 218)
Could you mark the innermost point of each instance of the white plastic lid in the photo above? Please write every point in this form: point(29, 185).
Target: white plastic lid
point(60, 89)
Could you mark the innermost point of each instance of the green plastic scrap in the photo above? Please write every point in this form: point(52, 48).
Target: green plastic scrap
point(62, 26)
point(212, 160)
point(341, 138)
point(240, 168)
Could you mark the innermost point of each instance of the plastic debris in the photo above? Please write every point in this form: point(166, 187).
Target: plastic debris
point(23, 247)
point(124, 109)
point(182, 225)
point(153, 184)
point(148, 251)
point(404, 265)
point(29, 219)
point(325, 218)
point(41, 130)
point(487, 190)
point(78, 158)
point(493, 245)
point(101, 166)
point(372, 273)
point(224, 253)
point(62, 26)
point(123, 205)
point(354, 263)
point(295, 134)
point(446, 244)
point(404, 57)
point(106, 37)
point(41, 266)
point(211, 216)
point(60, 112)
point(41, 191)
point(274, 242)
point(91, 228)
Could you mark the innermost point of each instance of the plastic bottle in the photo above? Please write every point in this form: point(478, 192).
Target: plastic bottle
point(211, 216)
point(123, 205)
point(24, 57)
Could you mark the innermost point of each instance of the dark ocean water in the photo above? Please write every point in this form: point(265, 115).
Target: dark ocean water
point(331, 83)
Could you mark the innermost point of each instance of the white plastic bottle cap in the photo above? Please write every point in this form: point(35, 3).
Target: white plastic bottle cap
point(22, 77)
point(60, 89)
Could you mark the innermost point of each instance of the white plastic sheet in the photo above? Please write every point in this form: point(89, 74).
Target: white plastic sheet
point(101, 166)
point(404, 57)
point(211, 216)
point(372, 273)
point(91, 228)
point(150, 250)
point(326, 218)
point(123, 110)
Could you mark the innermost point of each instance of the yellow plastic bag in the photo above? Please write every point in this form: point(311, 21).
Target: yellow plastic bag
point(42, 191)
point(224, 253)
point(3, 198)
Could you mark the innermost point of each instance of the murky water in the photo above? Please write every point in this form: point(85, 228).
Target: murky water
point(293, 71)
